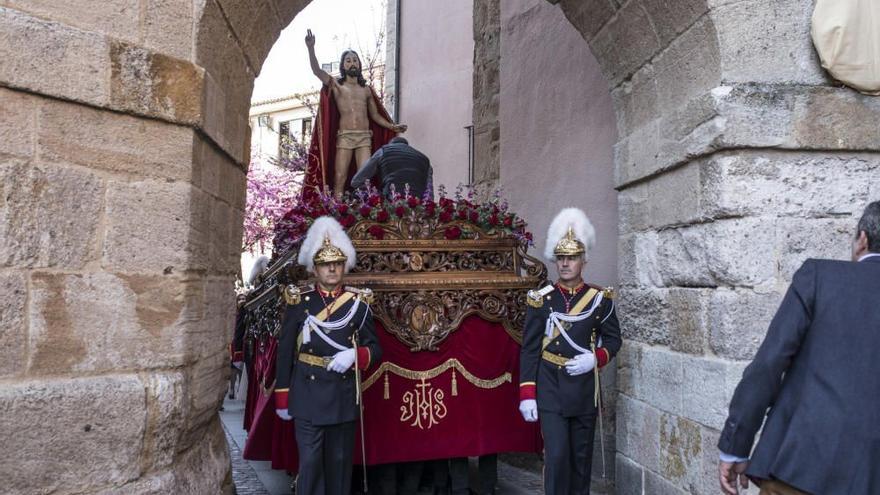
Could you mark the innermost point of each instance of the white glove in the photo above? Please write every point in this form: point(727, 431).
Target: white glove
point(238, 365)
point(582, 363)
point(529, 410)
point(342, 361)
point(282, 413)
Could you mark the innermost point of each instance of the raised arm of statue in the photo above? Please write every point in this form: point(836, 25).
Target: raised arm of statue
point(313, 60)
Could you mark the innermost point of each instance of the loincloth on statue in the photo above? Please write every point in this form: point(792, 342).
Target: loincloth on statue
point(352, 140)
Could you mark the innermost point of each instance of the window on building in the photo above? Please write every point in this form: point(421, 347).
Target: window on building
point(306, 130)
point(284, 139)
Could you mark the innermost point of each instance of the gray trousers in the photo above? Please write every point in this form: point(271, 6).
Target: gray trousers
point(325, 457)
point(568, 452)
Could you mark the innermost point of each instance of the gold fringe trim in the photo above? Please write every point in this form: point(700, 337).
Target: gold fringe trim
point(453, 364)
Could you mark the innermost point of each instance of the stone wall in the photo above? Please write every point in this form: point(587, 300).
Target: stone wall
point(737, 159)
point(487, 90)
point(123, 149)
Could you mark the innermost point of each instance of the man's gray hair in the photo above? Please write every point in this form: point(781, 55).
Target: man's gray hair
point(870, 225)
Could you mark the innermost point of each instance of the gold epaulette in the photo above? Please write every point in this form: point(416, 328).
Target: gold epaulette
point(366, 294)
point(535, 298)
point(608, 293)
point(293, 294)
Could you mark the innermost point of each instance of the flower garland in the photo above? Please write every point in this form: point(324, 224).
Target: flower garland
point(492, 216)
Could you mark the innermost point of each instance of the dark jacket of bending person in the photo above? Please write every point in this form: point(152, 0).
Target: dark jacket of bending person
point(397, 163)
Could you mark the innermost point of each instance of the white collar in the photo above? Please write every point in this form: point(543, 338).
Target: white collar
point(869, 255)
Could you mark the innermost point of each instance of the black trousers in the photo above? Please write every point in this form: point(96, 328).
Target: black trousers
point(568, 452)
point(325, 457)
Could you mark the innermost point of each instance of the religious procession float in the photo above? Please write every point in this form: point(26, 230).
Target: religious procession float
point(447, 279)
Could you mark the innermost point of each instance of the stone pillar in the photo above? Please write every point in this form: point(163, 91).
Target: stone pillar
point(123, 131)
point(487, 88)
point(737, 159)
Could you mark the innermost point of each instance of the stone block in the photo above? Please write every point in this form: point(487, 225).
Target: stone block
point(788, 183)
point(835, 118)
point(625, 43)
point(706, 385)
point(681, 452)
point(739, 321)
point(653, 375)
point(588, 16)
point(683, 257)
point(644, 315)
point(658, 485)
point(49, 216)
point(674, 197)
point(736, 251)
point(165, 406)
point(670, 19)
point(118, 19)
point(637, 155)
point(228, 81)
point(690, 66)
point(102, 421)
point(638, 432)
point(149, 225)
point(261, 36)
point(99, 322)
point(168, 27)
point(13, 323)
point(767, 42)
point(287, 9)
point(637, 260)
point(801, 239)
point(17, 124)
point(629, 476)
point(205, 468)
point(114, 142)
point(154, 84)
point(54, 59)
point(206, 384)
point(635, 100)
point(755, 115)
point(688, 320)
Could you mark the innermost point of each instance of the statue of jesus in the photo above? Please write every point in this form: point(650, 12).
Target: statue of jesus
point(357, 107)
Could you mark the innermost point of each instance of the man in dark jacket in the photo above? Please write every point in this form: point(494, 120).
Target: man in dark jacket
point(816, 378)
point(397, 163)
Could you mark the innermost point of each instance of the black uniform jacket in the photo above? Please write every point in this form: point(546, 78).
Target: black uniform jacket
point(312, 392)
point(818, 372)
point(557, 391)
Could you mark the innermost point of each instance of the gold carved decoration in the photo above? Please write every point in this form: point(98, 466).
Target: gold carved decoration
point(425, 285)
point(424, 406)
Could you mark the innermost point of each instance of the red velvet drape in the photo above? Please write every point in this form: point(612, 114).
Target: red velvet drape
point(476, 421)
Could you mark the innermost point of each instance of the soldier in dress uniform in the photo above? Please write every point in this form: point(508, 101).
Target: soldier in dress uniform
point(571, 331)
point(327, 335)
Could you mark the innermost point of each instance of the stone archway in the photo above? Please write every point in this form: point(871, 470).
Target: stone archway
point(123, 129)
point(737, 159)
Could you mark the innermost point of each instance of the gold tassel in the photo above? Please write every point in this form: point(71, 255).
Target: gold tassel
point(386, 394)
point(454, 384)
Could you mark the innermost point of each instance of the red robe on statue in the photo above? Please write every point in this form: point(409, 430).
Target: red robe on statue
point(322, 151)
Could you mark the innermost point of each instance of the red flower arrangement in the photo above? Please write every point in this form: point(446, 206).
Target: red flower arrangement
point(490, 216)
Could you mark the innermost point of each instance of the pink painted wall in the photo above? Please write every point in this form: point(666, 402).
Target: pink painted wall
point(436, 81)
point(557, 128)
